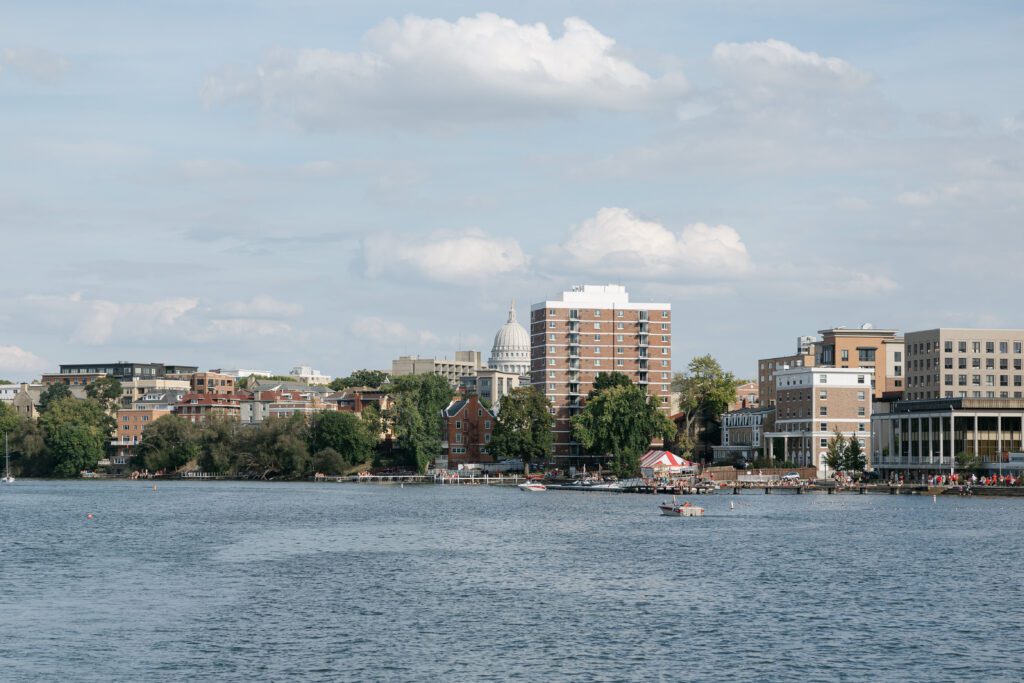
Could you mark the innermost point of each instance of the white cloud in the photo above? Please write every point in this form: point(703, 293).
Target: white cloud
point(916, 198)
point(777, 64)
point(14, 359)
point(263, 307)
point(389, 332)
point(420, 70)
point(104, 319)
point(616, 241)
point(36, 63)
point(448, 257)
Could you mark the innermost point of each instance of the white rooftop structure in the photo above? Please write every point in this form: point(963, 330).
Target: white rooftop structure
point(599, 296)
point(305, 373)
point(511, 350)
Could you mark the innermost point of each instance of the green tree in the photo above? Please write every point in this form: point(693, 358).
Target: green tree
point(328, 461)
point(523, 426)
point(621, 421)
point(29, 456)
point(343, 433)
point(76, 434)
point(5, 381)
point(9, 420)
point(854, 460)
point(107, 391)
point(607, 380)
point(168, 444)
point(277, 448)
point(217, 440)
point(835, 457)
point(968, 462)
point(53, 393)
point(705, 392)
point(360, 378)
point(416, 446)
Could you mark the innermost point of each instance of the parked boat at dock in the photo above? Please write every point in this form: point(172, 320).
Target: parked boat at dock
point(532, 486)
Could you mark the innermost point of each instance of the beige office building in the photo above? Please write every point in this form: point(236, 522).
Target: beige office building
point(863, 347)
point(465, 364)
point(593, 329)
point(964, 363)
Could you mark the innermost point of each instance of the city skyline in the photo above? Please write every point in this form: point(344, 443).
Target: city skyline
point(336, 185)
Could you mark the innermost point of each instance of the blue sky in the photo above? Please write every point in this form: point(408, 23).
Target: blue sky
point(266, 184)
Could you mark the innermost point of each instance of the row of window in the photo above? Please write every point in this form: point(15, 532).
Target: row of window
point(597, 362)
point(459, 438)
point(822, 411)
point(962, 346)
point(487, 423)
point(597, 350)
point(597, 338)
point(990, 380)
point(619, 313)
point(597, 326)
point(922, 395)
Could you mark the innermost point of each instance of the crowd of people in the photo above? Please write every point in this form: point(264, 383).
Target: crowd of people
point(962, 479)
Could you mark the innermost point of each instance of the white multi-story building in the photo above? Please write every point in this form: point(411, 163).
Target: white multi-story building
point(590, 330)
point(307, 375)
point(812, 404)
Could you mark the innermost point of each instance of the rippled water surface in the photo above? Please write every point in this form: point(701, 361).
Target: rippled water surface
point(242, 581)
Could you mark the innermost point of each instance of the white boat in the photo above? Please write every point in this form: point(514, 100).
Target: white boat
point(686, 509)
point(532, 486)
point(7, 479)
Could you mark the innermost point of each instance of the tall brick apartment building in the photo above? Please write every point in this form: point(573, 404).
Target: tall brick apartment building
point(590, 330)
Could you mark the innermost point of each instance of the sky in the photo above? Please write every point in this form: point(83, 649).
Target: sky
point(271, 183)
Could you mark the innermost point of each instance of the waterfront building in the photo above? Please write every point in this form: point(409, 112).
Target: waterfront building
point(8, 392)
point(743, 433)
point(468, 426)
point(964, 363)
point(200, 407)
point(131, 423)
point(160, 399)
point(593, 329)
point(308, 375)
point(812, 405)
point(490, 385)
point(134, 389)
point(85, 373)
point(510, 353)
point(865, 347)
point(258, 384)
point(466, 364)
point(212, 383)
point(767, 367)
point(925, 436)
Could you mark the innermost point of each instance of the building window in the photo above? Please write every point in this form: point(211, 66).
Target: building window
point(664, 363)
point(551, 324)
point(619, 313)
point(458, 437)
point(1004, 347)
point(551, 386)
point(823, 394)
point(860, 411)
point(824, 426)
point(948, 346)
point(990, 347)
point(597, 312)
point(823, 379)
point(990, 363)
point(551, 374)
point(860, 379)
point(597, 350)
point(962, 380)
point(664, 327)
point(620, 326)
point(947, 362)
point(844, 354)
point(866, 354)
point(618, 362)
point(1017, 346)
point(823, 411)
point(551, 337)
point(551, 361)
point(597, 326)
point(949, 380)
point(976, 347)
point(976, 380)
point(597, 362)
point(823, 442)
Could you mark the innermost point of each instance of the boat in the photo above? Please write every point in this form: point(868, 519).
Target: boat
point(7, 479)
point(532, 486)
point(686, 509)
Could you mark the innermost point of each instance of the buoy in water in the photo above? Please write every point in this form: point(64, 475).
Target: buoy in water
point(731, 505)
point(89, 516)
point(934, 498)
point(154, 487)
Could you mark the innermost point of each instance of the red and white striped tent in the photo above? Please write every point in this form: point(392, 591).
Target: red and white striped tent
point(661, 463)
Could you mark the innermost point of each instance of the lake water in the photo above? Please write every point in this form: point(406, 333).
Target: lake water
point(245, 581)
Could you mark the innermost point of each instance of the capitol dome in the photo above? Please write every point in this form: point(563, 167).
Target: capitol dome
point(511, 350)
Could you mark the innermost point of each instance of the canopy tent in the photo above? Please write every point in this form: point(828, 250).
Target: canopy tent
point(662, 463)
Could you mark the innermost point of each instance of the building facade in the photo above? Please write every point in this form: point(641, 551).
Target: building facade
point(767, 367)
point(590, 330)
point(212, 383)
point(863, 347)
point(815, 403)
point(964, 363)
point(466, 364)
point(309, 375)
point(743, 433)
point(84, 373)
point(925, 436)
point(747, 396)
point(468, 427)
point(199, 407)
point(490, 385)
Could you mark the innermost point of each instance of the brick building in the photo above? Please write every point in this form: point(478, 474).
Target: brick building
point(590, 330)
point(468, 426)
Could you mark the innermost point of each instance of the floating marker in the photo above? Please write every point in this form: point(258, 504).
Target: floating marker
point(89, 516)
point(731, 506)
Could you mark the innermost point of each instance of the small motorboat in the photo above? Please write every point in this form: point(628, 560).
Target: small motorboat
point(686, 509)
point(532, 486)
